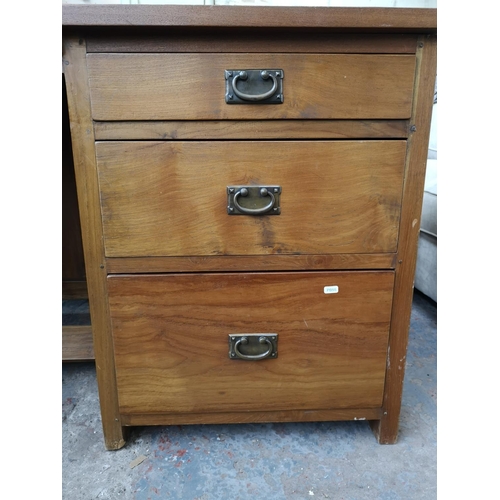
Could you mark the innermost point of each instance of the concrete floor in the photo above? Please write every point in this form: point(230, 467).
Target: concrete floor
point(337, 460)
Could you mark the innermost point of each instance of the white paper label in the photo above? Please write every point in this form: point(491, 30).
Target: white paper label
point(331, 289)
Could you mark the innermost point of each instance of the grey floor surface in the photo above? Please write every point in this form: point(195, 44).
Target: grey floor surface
point(336, 460)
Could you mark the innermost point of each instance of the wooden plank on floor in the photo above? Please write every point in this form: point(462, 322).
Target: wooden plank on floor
point(74, 290)
point(77, 343)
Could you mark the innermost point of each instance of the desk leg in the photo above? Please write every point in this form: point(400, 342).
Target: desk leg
point(386, 429)
point(82, 137)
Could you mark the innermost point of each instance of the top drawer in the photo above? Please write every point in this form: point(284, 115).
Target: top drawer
point(192, 86)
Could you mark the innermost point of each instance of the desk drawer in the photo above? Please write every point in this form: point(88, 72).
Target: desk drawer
point(192, 86)
point(170, 198)
point(171, 333)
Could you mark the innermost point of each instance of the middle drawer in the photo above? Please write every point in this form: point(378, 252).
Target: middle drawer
point(171, 198)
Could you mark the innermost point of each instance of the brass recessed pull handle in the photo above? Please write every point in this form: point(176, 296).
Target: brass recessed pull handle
point(259, 200)
point(265, 75)
point(253, 86)
point(249, 346)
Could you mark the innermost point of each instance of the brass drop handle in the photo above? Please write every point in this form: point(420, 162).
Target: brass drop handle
point(265, 75)
point(253, 343)
point(254, 211)
point(244, 341)
point(260, 200)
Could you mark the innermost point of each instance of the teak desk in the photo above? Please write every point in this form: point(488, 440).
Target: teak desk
point(250, 186)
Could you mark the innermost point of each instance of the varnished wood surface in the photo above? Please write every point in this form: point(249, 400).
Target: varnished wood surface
point(256, 129)
point(77, 343)
point(251, 417)
point(386, 429)
point(253, 263)
point(245, 40)
point(379, 19)
point(171, 332)
point(82, 135)
point(170, 198)
point(192, 86)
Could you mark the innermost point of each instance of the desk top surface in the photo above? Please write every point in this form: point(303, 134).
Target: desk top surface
point(398, 20)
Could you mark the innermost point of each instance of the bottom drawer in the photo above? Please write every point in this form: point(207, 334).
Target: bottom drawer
point(171, 340)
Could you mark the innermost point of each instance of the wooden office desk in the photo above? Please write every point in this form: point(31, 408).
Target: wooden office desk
point(249, 262)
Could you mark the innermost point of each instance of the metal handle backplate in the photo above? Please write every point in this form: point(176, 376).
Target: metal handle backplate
point(254, 86)
point(253, 200)
point(253, 346)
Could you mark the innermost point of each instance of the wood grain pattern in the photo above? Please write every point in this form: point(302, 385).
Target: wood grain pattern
point(372, 19)
point(241, 40)
point(75, 71)
point(169, 198)
point(252, 417)
point(77, 343)
point(253, 263)
point(171, 332)
point(386, 429)
point(192, 86)
point(256, 129)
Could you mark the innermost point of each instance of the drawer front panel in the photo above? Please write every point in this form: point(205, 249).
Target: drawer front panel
point(171, 333)
point(170, 199)
point(192, 86)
